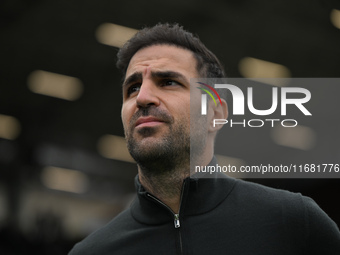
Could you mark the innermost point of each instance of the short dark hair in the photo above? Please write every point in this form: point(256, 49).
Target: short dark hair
point(208, 65)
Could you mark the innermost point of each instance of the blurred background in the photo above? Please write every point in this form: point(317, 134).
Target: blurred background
point(64, 167)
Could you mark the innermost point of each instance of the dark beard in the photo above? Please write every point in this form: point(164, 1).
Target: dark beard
point(167, 154)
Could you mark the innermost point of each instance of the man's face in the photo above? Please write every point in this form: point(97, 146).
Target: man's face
point(156, 103)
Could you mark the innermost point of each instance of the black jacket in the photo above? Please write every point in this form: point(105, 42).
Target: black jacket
point(218, 216)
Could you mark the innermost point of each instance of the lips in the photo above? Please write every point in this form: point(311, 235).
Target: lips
point(148, 121)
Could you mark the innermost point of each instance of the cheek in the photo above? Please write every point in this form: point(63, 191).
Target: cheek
point(195, 102)
point(125, 115)
point(183, 108)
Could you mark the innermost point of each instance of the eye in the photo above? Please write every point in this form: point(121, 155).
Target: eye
point(133, 88)
point(170, 83)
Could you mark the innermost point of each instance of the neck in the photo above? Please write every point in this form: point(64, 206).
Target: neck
point(166, 183)
point(166, 187)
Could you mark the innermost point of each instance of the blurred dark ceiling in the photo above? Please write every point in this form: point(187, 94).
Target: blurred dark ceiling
point(59, 36)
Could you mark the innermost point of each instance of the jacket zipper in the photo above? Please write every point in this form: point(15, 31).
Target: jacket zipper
point(175, 215)
point(177, 222)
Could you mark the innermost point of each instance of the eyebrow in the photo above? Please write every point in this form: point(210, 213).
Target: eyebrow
point(158, 74)
point(132, 78)
point(168, 74)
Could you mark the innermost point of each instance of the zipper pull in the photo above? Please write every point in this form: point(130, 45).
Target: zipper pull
point(176, 221)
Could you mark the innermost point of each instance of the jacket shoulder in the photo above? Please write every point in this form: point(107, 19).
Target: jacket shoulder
point(298, 215)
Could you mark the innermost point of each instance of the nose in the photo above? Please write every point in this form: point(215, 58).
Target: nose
point(148, 94)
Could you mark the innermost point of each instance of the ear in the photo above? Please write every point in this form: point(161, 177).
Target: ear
point(219, 111)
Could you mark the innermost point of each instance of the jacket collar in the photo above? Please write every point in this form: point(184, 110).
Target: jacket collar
point(199, 195)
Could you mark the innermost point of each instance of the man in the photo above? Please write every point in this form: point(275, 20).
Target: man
point(178, 214)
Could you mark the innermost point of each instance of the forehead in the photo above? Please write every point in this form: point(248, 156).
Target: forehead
point(163, 57)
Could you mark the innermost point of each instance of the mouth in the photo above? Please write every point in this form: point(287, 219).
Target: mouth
point(148, 122)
